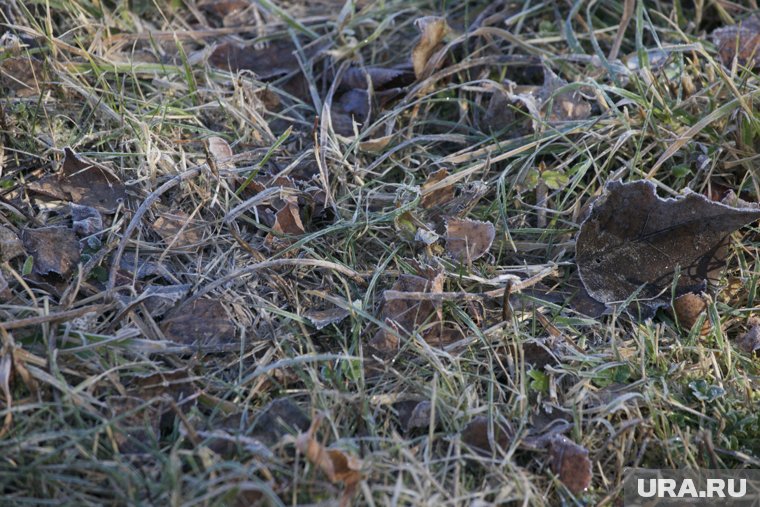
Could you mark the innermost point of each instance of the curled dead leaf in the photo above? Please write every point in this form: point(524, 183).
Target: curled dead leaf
point(337, 465)
point(433, 30)
point(220, 152)
point(287, 223)
point(570, 462)
point(323, 318)
point(439, 196)
point(635, 241)
point(467, 240)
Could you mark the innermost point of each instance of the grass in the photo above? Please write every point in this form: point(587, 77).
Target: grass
point(107, 411)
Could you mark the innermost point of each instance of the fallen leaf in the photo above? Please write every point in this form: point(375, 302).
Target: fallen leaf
point(335, 464)
point(438, 196)
point(380, 78)
point(86, 223)
point(564, 106)
point(635, 240)
point(467, 240)
point(323, 318)
point(22, 75)
point(83, 183)
point(287, 223)
point(55, 250)
point(10, 245)
point(274, 60)
point(220, 152)
point(478, 436)
point(177, 230)
point(407, 314)
point(279, 418)
point(420, 416)
point(203, 323)
point(570, 462)
point(749, 342)
point(433, 30)
point(740, 41)
point(688, 308)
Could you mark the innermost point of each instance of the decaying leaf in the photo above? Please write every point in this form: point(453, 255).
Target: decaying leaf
point(482, 436)
point(10, 245)
point(433, 30)
point(337, 465)
point(561, 106)
point(407, 314)
point(22, 75)
point(204, 322)
point(287, 223)
point(438, 196)
point(83, 183)
point(467, 240)
point(55, 250)
point(571, 463)
point(740, 41)
point(749, 342)
point(635, 241)
point(275, 60)
point(178, 230)
point(221, 152)
point(279, 418)
point(688, 308)
point(86, 222)
point(381, 78)
point(323, 318)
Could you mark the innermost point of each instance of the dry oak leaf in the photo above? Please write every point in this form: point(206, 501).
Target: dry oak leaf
point(83, 183)
point(433, 29)
point(467, 240)
point(740, 41)
point(335, 464)
point(571, 463)
point(55, 250)
point(633, 240)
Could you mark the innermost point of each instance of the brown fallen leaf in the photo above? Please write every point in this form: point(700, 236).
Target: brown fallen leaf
point(10, 245)
point(55, 250)
point(467, 240)
point(749, 342)
point(220, 152)
point(323, 318)
point(433, 30)
point(287, 223)
point(335, 464)
point(407, 314)
point(740, 41)
point(688, 308)
point(275, 60)
point(570, 462)
point(478, 436)
point(203, 323)
point(22, 75)
point(565, 106)
point(178, 230)
point(635, 240)
point(438, 196)
point(381, 78)
point(84, 183)
point(279, 418)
